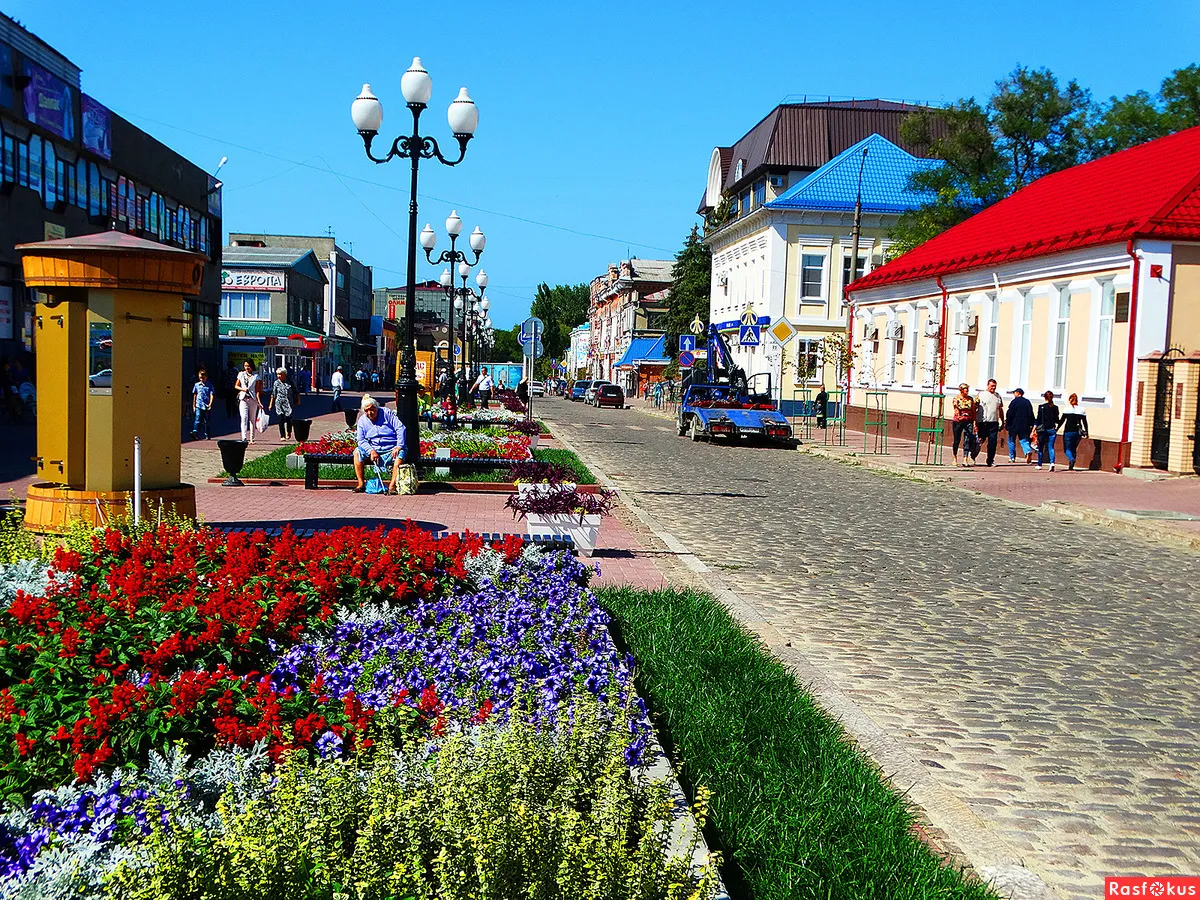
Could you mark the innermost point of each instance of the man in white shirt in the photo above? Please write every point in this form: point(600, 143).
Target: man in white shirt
point(337, 382)
point(485, 388)
point(989, 417)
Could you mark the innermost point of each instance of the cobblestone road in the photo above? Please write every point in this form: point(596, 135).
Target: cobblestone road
point(1044, 672)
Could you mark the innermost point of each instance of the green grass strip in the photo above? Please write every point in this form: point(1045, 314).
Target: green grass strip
point(274, 465)
point(797, 809)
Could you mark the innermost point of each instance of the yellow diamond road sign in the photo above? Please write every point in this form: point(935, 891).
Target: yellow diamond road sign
point(782, 331)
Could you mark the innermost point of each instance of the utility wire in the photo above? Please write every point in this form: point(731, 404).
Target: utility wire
point(392, 187)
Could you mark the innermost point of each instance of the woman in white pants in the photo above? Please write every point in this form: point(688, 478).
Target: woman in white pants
point(247, 388)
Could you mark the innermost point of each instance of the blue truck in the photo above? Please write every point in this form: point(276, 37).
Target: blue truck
point(725, 404)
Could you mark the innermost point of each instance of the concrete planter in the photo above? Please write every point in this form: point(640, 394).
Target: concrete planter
point(527, 488)
point(582, 533)
point(294, 461)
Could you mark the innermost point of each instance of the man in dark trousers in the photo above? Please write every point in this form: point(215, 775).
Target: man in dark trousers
point(822, 404)
point(1019, 423)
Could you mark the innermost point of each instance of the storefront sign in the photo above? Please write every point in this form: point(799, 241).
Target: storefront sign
point(53, 232)
point(48, 102)
point(97, 127)
point(6, 313)
point(251, 280)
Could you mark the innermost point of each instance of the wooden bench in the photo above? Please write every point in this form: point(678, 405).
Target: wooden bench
point(314, 461)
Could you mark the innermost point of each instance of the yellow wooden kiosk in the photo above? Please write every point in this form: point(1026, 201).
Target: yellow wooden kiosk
point(109, 351)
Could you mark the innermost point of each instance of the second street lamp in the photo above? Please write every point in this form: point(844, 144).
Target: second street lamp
point(463, 118)
point(452, 256)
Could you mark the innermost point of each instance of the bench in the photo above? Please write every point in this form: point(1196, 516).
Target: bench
point(314, 461)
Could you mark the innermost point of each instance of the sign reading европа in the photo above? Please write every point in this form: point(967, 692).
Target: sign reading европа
point(251, 280)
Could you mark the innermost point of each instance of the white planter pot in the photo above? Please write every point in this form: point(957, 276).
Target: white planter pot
point(583, 534)
point(527, 488)
point(533, 441)
point(295, 461)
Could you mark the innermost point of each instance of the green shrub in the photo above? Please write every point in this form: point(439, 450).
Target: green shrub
point(500, 811)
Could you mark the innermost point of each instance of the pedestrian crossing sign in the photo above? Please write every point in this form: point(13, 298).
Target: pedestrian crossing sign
point(750, 336)
point(782, 331)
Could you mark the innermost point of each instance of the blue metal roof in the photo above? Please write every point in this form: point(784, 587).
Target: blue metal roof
point(645, 350)
point(884, 180)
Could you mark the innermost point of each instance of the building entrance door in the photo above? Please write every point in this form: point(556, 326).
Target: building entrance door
point(1160, 440)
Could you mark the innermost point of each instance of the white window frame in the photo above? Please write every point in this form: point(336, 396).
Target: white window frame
point(914, 346)
point(818, 300)
point(1024, 339)
point(1107, 316)
point(1061, 336)
point(993, 338)
point(809, 347)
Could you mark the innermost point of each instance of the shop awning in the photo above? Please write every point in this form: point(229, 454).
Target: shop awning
point(274, 333)
point(645, 351)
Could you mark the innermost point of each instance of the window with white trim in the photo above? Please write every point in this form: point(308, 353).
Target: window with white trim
point(993, 335)
point(1026, 335)
point(808, 362)
point(812, 276)
point(914, 342)
point(1062, 328)
point(895, 349)
point(859, 270)
point(1108, 310)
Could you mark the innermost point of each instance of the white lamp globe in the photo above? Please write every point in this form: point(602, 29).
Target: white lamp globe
point(464, 269)
point(458, 304)
point(463, 114)
point(367, 111)
point(481, 279)
point(415, 84)
point(428, 238)
point(475, 307)
point(446, 278)
point(477, 240)
point(485, 304)
point(453, 224)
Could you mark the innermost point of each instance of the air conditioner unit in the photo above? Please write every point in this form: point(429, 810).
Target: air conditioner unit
point(870, 332)
point(776, 181)
point(932, 328)
point(970, 323)
point(895, 331)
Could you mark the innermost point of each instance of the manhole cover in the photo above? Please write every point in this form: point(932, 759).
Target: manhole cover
point(1165, 514)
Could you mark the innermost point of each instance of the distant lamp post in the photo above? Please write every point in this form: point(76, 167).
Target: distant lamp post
point(452, 256)
point(474, 306)
point(463, 117)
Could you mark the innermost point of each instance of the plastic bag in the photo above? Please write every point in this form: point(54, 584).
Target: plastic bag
point(375, 484)
point(406, 479)
point(263, 419)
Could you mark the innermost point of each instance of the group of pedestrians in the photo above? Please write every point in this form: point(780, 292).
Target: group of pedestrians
point(254, 403)
point(977, 421)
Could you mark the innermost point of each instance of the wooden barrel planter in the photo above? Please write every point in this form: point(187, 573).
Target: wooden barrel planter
point(52, 509)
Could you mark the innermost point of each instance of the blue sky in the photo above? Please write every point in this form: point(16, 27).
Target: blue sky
point(596, 120)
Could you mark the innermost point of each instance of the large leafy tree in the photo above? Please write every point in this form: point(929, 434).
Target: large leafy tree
point(1142, 116)
point(692, 278)
point(561, 308)
point(507, 347)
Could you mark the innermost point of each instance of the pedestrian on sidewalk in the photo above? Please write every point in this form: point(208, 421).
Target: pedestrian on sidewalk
point(1019, 423)
point(1074, 429)
point(248, 400)
point(963, 424)
point(284, 401)
point(658, 394)
point(484, 384)
point(1048, 421)
point(202, 402)
point(989, 417)
point(337, 383)
point(822, 410)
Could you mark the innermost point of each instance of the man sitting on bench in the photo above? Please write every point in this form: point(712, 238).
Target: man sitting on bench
point(380, 436)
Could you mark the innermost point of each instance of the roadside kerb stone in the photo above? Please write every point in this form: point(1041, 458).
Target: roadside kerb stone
point(960, 832)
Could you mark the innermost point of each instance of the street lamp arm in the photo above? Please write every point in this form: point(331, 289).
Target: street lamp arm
point(453, 257)
point(430, 149)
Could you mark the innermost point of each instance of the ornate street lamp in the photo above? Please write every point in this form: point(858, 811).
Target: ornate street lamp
point(474, 306)
point(453, 256)
point(463, 117)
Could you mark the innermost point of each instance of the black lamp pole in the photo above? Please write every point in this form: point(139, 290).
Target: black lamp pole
point(367, 113)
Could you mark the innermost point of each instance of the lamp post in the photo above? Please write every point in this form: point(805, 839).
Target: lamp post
point(463, 117)
point(453, 256)
point(474, 307)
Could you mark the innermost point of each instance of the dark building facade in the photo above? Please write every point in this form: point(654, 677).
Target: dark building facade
point(70, 166)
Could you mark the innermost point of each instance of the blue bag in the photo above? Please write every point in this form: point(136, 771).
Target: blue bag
point(376, 485)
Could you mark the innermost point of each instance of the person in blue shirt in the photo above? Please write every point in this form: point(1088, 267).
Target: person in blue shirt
point(380, 435)
point(202, 401)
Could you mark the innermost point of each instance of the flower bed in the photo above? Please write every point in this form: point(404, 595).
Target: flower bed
point(151, 681)
point(491, 443)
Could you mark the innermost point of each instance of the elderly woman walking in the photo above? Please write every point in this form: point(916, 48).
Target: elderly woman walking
point(284, 401)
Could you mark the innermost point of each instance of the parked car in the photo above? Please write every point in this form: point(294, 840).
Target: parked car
point(579, 389)
point(537, 388)
point(610, 395)
point(102, 379)
point(590, 397)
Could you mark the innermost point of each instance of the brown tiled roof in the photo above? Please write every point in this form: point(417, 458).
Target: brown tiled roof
point(808, 135)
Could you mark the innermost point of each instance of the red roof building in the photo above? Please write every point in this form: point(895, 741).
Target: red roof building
point(1061, 287)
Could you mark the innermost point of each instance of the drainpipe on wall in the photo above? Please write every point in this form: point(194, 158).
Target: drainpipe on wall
point(1129, 362)
point(942, 338)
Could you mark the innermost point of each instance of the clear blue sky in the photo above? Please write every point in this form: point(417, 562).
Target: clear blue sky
point(595, 118)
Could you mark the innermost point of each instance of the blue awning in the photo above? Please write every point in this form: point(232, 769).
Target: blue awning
point(644, 350)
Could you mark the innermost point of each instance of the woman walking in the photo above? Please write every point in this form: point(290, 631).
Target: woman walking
point(1048, 421)
point(964, 423)
point(284, 401)
point(248, 403)
point(1074, 429)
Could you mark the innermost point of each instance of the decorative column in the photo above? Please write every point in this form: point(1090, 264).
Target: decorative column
point(1181, 456)
point(1144, 389)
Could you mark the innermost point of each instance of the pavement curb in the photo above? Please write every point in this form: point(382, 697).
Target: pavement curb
point(962, 833)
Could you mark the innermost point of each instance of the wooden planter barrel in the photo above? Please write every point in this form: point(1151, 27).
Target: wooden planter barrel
point(51, 508)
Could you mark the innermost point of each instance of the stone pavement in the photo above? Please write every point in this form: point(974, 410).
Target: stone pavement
point(1033, 680)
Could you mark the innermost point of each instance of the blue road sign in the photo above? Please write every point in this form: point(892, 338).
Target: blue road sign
point(750, 336)
point(531, 328)
point(687, 343)
point(523, 338)
point(686, 359)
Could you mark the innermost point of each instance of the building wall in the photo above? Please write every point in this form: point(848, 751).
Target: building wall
point(1185, 298)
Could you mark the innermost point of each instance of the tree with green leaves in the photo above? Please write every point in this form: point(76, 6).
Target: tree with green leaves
point(507, 347)
point(1141, 116)
point(561, 308)
point(692, 278)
